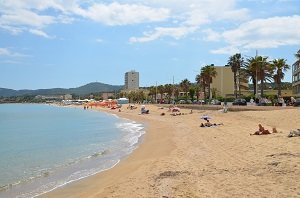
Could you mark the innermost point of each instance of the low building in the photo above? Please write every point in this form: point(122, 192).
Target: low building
point(48, 97)
point(68, 97)
point(296, 80)
point(107, 95)
point(123, 101)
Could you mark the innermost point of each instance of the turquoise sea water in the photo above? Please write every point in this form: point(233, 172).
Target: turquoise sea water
point(43, 147)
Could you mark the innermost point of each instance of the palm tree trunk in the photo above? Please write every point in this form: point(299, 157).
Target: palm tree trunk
point(262, 88)
point(235, 85)
point(204, 92)
point(279, 87)
point(186, 95)
point(254, 86)
point(239, 84)
point(209, 91)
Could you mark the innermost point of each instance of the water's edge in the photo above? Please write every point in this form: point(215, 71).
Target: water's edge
point(133, 135)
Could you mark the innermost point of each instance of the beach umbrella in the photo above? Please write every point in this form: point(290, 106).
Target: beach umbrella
point(205, 117)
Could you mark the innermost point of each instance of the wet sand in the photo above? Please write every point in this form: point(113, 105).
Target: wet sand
point(177, 158)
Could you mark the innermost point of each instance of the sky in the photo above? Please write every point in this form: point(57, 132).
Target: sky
point(69, 43)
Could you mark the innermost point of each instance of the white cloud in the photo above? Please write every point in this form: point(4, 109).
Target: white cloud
point(17, 16)
point(12, 30)
point(35, 4)
point(123, 14)
point(4, 52)
point(263, 33)
point(211, 35)
point(40, 33)
point(7, 52)
point(229, 50)
point(25, 18)
point(99, 40)
point(10, 62)
point(174, 32)
point(192, 16)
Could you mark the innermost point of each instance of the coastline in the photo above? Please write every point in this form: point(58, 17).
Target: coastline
point(88, 156)
point(178, 158)
point(146, 150)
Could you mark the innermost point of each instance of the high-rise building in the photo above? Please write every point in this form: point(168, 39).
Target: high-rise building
point(131, 80)
point(296, 80)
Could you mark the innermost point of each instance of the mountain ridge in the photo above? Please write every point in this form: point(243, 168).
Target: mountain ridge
point(93, 87)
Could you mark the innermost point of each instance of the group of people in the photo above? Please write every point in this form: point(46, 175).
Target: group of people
point(280, 101)
point(86, 107)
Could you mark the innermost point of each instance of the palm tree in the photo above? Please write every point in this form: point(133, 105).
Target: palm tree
point(169, 90)
point(257, 69)
point(214, 92)
point(140, 96)
point(250, 71)
point(192, 91)
point(176, 92)
point(278, 66)
point(161, 91)
point(207, 73)
point(152, 92)
point(263, 68)
point(197, 89)
point(185, 86)
point(236, 61)
point(131, 96)
point(201, 84)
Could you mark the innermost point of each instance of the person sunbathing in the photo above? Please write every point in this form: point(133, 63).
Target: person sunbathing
point(208, 124)
point(144, 110)
point(261, 131)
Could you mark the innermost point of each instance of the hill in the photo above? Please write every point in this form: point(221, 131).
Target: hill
point(94, 87)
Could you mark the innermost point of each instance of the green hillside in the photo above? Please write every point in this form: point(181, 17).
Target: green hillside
point(94, 87)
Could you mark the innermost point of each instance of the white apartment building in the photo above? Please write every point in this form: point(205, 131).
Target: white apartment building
point(131, 80)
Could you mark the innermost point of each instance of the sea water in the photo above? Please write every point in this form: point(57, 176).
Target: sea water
point(43, 147)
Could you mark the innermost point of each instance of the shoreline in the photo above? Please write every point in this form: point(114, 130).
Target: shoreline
point(104, 176)
point(102, 110)
point(177, 158)
point(41, 184)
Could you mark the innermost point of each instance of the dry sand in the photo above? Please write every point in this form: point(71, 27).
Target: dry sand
point(180, 159)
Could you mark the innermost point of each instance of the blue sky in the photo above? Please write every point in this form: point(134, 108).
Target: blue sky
point(56, 43)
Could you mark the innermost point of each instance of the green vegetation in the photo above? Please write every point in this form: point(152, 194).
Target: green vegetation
point(236, 62)
point(269, 73)
point(277, 67)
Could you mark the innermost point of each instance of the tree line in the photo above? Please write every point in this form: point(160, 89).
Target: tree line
point(254, 69)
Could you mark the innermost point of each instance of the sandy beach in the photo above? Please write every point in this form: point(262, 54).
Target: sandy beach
point(177, 158)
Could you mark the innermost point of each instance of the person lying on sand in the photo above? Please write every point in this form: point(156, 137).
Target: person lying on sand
point(263, 131)
point(173, 109)
point(176, 114)
point(208, 124)
point(144, 110)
